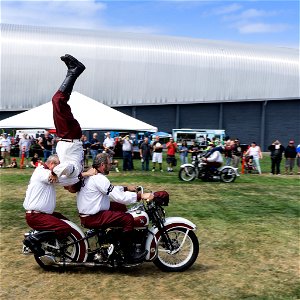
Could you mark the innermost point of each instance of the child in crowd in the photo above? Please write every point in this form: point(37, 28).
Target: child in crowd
point(13, 163)
point(35, 161)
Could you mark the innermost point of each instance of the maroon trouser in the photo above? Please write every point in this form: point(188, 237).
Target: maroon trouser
point(42, 222)
point(67, 127)
point(114, 217)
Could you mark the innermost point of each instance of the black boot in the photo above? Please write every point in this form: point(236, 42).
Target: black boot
point(131, 255)
point(75, 68)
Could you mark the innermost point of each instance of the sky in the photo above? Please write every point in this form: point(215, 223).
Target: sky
point(272, 22)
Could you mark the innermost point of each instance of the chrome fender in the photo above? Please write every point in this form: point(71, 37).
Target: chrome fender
point(83, 245)
point(154, 234)
point(235, 170)
point(187, 165)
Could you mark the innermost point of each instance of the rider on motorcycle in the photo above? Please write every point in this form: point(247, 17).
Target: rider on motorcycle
point(96, 210)
point(213, 158)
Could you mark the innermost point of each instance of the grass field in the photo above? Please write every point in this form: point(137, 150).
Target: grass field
point(248, 232)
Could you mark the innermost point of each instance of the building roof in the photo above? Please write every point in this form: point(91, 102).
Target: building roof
point(124, 69)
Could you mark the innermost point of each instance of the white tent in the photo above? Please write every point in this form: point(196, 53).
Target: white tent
point(90, 114)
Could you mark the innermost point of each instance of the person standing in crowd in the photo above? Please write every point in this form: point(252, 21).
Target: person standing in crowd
point(183, 150)
point(86, 150)
point(24, 146)
point(228, 152)
point(236, 153)
point(5, 149)
point(94, 145)
point(109, 145)
point(157, 154)
point(145, 154)
point(194, 150)
point(127, 149)
point(171, 151)
point(46, 143)
point(290, 157)
point(298, 158)
point(255, 151)
point(276, 150)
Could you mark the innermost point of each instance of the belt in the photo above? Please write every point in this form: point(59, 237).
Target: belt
point(33, 212)
point(83, 216)
point(70, 140)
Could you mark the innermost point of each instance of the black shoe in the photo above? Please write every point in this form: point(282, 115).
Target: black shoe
point(75, 67)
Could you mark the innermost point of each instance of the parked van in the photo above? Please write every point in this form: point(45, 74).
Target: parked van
point(201, 136)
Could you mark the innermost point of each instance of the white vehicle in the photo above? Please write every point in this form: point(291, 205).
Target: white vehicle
point(201, 136)
point(30, 132)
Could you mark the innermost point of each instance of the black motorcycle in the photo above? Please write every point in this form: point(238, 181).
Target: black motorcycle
point(171, 243)
point(199, 169)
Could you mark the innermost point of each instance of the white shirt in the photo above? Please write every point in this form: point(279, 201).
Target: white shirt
point(24, 143)
point(40, 194)
point(215, 157)
point(127, 145)
point(109, 142)
point(254, 151)
point(94, 195)
point(5, 144)
point(71, 162)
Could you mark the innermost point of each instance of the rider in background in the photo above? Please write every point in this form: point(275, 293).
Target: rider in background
point(214, 158)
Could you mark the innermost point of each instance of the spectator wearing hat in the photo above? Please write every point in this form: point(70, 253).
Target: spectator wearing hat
point(290, 157)
point(276, 150)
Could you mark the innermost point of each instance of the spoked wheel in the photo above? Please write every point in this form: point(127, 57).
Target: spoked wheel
point(186, 250)
point(61, 250)
point(227, 175)
point(187, 173)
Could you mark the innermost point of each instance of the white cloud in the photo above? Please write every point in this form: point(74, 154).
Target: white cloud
point(53, 13)
point(261, 28)
point(227, 9)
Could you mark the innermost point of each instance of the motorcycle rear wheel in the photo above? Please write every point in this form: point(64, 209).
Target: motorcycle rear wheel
point(227, 175)
point(182, 259)
point(51, 247)
point(187, 173)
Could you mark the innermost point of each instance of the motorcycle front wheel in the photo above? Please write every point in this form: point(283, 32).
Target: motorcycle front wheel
point(227, 175)
point(187, 173)
point(60, 250)
point(186, 250)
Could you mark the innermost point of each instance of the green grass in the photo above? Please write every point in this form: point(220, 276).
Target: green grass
point(248, 232)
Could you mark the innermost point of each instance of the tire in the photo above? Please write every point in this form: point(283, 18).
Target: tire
point(227, 175)
point(184, 258)
point(187, 173)
point(51, 247)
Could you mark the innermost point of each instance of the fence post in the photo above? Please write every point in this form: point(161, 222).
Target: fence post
point(22, 157)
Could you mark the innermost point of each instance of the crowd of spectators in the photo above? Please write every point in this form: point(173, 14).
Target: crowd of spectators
point(32, 151)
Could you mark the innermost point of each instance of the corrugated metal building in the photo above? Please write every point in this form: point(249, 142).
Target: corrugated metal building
point(250, 91)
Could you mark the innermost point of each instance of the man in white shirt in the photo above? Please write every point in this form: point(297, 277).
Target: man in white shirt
point(96, 210)
point(214, 160)
point(127, 153)
point(40, 202)
point(5, 149)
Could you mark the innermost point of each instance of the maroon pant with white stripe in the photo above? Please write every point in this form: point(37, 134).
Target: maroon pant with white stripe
point(114, 217)
point(67, 127)
point(41, 222)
